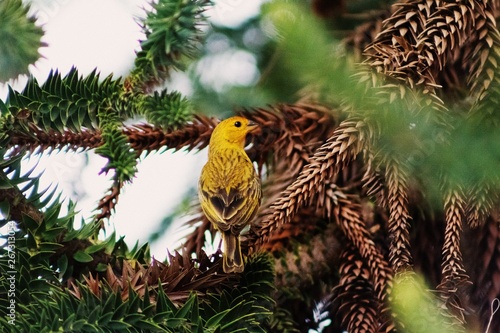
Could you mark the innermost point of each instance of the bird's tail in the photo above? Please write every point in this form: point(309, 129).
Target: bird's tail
point(232, 259)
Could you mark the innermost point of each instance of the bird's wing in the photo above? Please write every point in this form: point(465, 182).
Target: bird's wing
point(227, 205)
point(231, 209)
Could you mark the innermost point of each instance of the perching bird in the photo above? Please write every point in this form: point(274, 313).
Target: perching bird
point(229, 188)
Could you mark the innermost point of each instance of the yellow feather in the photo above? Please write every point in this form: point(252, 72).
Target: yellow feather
point(229, 188)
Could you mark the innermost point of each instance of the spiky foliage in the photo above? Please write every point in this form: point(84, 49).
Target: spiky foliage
point(354, 301)
point(166, 295)
point(158, 109)
point(69, 279)
point(20, 39)
point(73, 103)
point(386, 168)
point(131, 306)
point(172, 33)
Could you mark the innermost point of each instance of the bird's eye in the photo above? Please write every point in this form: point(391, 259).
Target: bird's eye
point(237, 124)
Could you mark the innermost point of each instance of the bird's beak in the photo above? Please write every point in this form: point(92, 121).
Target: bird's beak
point(252, 126)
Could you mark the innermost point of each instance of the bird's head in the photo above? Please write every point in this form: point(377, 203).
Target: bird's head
point(232, 131)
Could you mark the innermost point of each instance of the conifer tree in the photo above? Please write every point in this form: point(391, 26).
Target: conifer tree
point(377, 150)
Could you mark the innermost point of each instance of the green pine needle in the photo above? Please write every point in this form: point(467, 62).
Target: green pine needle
point(172, 33)
point(116, 148)
point(60, 102)
point(20, 39)
point(167, 110)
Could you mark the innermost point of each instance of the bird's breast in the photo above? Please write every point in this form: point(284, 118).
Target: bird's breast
point(229, 169)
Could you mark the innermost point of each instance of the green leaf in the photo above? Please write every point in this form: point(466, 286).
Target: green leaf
point(142, 254)
point(3, 108)
point(215, 320)
point(39, 285)
point(120, 311)
point(110, 303)
point(175, 322)
point(163, 303)
point(90, 328)
point(47, 246)
point(53, 212)
point(187, 307)
point(62, 264)
point(31, 241)
point(55, 322)
point(52, 233)
point(101, 267)
point(118, 325)
point(92, 317)
point(83, 257)
point(29, 223)
point(105, 319)
point(147, 325)
point(95, 248)
point(133, 318)
point(77, 325)
point(42, 271)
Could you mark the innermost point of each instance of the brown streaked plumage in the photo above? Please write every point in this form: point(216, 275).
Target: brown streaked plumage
point(229, 188)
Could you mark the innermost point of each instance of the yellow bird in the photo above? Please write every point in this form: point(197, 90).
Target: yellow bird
point(229, 188)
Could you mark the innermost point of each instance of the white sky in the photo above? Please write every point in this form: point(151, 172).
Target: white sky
point(104, 34)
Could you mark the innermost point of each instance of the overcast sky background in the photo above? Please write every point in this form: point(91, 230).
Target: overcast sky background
point(103, 34)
